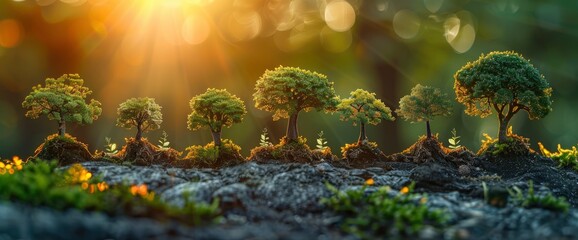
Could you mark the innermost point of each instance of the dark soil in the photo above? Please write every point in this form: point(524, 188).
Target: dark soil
point(64, 149)
point(144, 153)
point(430, 150)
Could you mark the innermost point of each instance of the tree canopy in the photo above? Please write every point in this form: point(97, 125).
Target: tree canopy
point(361, 107)
point(286, 91)
point(505, 82)
point(423, 104)
point(142, 113)
point(62, 100)
point(215, 109)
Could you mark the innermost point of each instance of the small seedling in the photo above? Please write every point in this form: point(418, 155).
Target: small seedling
point(110, 147)
point(264, 140)
point(321, 142)
point(454, 140)
point(164, 142)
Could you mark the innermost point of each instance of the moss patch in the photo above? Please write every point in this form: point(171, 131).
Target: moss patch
point(287, 151)
point(65, 149)
point(211, 156)
point(515, 146)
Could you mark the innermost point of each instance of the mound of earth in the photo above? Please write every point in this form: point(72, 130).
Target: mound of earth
point(145, 153)
point(286, 152)
point(430, 150)
point(515, 146)
point(66, 149)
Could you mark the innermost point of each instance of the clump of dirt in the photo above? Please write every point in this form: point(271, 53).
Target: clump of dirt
point(287, 151)
point(211, 156)
point(430, 150)
point(363, 155)
point(515, 146)
point(145, 153)
point(66, 149)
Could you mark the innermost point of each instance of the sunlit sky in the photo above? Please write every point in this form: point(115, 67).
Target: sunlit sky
point(172, 50)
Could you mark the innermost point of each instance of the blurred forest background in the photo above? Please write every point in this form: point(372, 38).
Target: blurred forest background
point(172, 50)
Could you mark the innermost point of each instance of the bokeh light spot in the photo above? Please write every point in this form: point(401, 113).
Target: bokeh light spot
point(339, 15)
point(244, 25)
point(195, 29)
point(460, 32)
point(406, 24)
point(10, 33)
point(433, 5)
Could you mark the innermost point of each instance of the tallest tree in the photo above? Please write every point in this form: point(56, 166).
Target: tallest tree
point(506, 83)
point(286, 91)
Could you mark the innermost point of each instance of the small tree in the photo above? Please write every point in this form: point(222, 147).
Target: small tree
point(142, 113)
point(363, 108)
point(286, 91)
point(505, 82)
point(423, 104)
point(62, 100)
point(215, 109)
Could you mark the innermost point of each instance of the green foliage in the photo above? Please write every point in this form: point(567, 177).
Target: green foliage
point(363, 107)
point(423, 104)
point(62, 100)
point(370, 215)
point(321, 141)
point(564, 157)
point(264, 140)
point(531, 200)
point(110, 148)
point(288, 90)
point(514, 145)
point(215, 109)
point(142, 113)
point(164, 142)
point(505, 82)
point(38, 183)
point(454, 141)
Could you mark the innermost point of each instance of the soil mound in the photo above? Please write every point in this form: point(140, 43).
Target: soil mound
point(211, 156)
point(430, 150)
point(66, 149)
point(515, 146)
point(145, 153)
point(289, 152)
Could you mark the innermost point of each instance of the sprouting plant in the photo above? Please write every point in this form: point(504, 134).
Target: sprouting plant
point(110, 147)
point(264, 140)
point(164, 142)
point(375, 214)
point(564, 157)
point(531, 200)
point(321, 141)
point(454, 140)
point(506, 83)
point(62, 100)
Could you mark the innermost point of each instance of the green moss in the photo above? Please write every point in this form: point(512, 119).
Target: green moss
point(564, 157)
point(290, 151)
point(531, 200)
point(370, 215)
point(39, 183)
point(514, 146)
point(212, 156)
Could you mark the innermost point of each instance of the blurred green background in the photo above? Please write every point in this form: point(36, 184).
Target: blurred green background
point(172, 50)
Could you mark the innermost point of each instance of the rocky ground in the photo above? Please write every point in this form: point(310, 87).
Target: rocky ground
point(282, 201)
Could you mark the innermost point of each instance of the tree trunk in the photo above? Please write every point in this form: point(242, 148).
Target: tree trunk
point(62, 128)
point(502, 136)
point(216, 138)
point(138, 132)
point(362, 135)
point(292, 132)
point(428, 129)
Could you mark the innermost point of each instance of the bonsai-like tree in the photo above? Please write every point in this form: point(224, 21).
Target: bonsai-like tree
point(363, 108)
point(505, 82)
point(423, 104)
point(286, 91)
point(215, 109)
point(62, 100)
point(142, 113)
